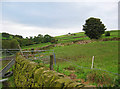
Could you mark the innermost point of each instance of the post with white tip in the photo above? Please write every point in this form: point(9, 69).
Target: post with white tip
point(92, 62)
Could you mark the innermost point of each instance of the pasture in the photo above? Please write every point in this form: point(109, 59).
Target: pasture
point(77, 59)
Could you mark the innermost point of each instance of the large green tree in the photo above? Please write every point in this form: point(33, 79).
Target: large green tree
point(94, 28)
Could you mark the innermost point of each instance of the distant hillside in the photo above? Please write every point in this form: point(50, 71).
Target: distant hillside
point(41, 40)
point(9, 36)
point(81, 36)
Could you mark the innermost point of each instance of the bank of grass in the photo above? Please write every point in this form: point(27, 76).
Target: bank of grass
point(105, 53)
point(71, 38)
point(80, 56)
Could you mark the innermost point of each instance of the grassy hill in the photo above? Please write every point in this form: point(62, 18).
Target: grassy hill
point(73, 38)
point(76, 58)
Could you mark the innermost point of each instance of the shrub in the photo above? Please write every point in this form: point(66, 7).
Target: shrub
point(99, 77)
point(53, 40)
point(107, 34)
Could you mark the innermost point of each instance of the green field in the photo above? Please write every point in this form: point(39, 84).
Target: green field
point(77, 58)
point(82, 36)
point(106, 54)
point(72, 57)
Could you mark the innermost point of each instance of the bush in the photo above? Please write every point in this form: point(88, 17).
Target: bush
point(107, 34)
point(99, 77)
point(53, 40)
point(10, 44)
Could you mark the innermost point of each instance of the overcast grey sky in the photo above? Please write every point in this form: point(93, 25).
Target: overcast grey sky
point(55, 18)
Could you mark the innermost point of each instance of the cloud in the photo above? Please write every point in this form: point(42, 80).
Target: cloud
point(60, 15)
point(31, 19)
point(26, 30)
point(60, 0)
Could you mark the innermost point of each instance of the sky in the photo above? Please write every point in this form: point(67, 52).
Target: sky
point(33, 17)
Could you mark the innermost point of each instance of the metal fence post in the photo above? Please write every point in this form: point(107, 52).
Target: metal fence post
point(54, 58)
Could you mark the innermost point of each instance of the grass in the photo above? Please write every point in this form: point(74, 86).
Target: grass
point(36, 46)
point(4, 63)
point(106, 58)
point(82, 36)
point(77, 55)
point(70, 38)
point(82, 54)
point(10, 81)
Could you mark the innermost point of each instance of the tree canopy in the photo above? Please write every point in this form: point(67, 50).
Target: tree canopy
point(11, 41)
point(94, 28)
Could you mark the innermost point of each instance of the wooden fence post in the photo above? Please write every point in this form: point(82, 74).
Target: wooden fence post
point(51, 62)
point(20, 50)
point(92, 62)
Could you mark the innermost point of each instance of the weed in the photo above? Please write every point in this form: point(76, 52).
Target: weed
point(79, 70)
point(70, 67)
point(99, 77)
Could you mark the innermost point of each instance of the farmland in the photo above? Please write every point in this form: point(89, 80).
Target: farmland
point(74, 54)
point(76, 58)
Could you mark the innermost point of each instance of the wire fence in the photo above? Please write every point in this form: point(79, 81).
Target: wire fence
point(39, 55)
point(44, 56)
point(89, 67)
point(8, 54)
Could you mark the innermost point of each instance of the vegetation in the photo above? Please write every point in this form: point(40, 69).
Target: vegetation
point(79, 56)
point(94, 28)
point(10, 41)
point(82, 55)
point(107, 33)
point(77, 59)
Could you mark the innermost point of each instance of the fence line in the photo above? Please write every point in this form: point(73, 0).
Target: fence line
point(39, 53)
point(90, 68)
point(60, 58)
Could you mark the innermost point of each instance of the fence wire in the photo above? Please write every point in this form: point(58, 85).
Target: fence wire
point(45, 57)
point(39, 55)
point(90, 68)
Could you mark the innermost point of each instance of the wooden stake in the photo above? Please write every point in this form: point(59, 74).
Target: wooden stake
point(20, 50)
point(92, 62)
point(51, 62)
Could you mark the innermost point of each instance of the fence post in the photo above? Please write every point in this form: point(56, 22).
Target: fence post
point(54, 58)
point(92, 62)
point(51, 62)
point(20, 50)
